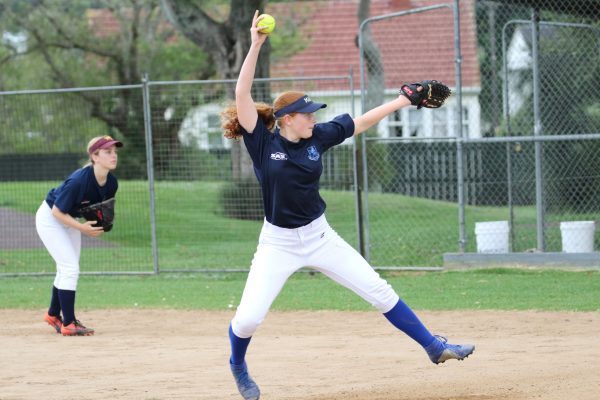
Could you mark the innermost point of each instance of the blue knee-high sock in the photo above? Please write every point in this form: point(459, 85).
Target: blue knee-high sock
point(403, 318)
point(238, 347)
point(54, 309)
point(67, 303)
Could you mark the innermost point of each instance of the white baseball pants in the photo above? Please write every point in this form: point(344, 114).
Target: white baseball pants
point(283, 251)
point(64, 245)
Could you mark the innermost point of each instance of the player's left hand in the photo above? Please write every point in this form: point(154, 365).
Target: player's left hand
point(103, 214)
point(428, 94)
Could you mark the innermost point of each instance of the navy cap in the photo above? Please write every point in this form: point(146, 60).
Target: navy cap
point(303, 105)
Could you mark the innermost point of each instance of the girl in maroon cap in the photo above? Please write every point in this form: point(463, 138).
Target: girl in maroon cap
point(58, 226)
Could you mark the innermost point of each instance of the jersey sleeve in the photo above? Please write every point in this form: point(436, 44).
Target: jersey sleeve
point(335, 131)
point(255, 140)
point(68, 197)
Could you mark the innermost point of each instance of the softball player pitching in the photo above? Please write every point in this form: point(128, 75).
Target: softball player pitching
point(288, 164)
point(57, 225)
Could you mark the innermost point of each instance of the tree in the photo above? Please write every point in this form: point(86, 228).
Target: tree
point(373, 63)
point(73, 46)
point(227, 44)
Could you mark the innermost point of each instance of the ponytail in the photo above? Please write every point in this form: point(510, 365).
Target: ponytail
point(231, 125)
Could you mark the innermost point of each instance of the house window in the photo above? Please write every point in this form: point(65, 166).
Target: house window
point(406, 123)
point(415, 124)
point(214, 132)
point(395, 124)
point(465, 122)
point(421, 123)
point(440, 122)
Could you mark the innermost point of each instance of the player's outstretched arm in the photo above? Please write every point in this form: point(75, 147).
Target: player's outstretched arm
point(429, 94)
point(246, 110)
point(375, 115)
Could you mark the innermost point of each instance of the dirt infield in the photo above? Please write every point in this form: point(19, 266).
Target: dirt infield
point(145, 354)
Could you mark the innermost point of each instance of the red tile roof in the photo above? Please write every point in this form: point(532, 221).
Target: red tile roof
point(413, 47)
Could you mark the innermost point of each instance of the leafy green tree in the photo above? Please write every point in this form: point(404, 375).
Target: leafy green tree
point(226, 41)
point(83, 43)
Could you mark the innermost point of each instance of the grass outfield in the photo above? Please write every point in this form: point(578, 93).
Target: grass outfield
point(493, 289)
point(193, 233)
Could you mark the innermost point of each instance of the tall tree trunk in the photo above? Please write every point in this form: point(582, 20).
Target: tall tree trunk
point(373, 63)
point(227, 43)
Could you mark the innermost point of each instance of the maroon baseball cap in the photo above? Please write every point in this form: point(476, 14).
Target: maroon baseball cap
point(103, 143)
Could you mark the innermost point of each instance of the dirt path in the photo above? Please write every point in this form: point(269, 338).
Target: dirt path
point(145, 354)
point(17, 231)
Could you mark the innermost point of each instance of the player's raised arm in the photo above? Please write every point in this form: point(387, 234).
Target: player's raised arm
point(246, 110)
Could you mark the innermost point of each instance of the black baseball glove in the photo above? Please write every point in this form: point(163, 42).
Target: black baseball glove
point(432, 94)
point(103, 213)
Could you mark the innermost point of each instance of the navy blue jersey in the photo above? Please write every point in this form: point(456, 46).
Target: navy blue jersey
point(81, 189)
point(289, 172)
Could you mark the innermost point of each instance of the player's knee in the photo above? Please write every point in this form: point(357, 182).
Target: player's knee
point(384, 296)
point(245, 326)
point(69, 271)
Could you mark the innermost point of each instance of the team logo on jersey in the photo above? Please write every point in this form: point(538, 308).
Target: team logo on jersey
point(279, 156)
point(313, 154)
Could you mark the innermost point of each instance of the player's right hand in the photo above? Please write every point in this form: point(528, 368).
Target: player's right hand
point(255, 33)
point(89, 230)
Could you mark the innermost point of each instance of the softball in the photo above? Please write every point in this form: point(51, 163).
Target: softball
point(266, 24)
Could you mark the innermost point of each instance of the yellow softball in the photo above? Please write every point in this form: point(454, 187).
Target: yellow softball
point(266, 24)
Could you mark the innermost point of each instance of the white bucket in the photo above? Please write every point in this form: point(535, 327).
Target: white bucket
point(492, 237)
point(577, 236)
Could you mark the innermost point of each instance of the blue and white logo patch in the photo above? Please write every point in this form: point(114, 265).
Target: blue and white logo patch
point(279, 156)
point(313, 154)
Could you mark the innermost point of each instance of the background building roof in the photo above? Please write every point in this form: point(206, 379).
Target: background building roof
point(413, 47)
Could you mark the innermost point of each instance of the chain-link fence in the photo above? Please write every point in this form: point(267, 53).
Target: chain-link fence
point(414, 212)
point(41, 145)
point(517, 142)
point(511, 157)
point(209, 205)
point(188, 198)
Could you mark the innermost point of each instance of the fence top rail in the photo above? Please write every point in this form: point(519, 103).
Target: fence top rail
point(71, 90)
point(505, 139)
point(541, 138)
point(184, 82)
point(411, 139)
point(405, 12)
point(298, 78)
point(555, 23)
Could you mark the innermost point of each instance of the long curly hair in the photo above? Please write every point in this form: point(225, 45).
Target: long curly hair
point(231, 125)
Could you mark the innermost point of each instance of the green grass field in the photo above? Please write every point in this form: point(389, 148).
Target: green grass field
point(193, 232)
point(497, 289)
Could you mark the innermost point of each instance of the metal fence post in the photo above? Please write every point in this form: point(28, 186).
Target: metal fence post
point(509, 190)
point(459, 131)
point(357, 192)
point(150, 168)
point(537, 129)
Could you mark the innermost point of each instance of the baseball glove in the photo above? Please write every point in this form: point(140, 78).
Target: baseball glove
point(103, 213)
point(432, 95)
